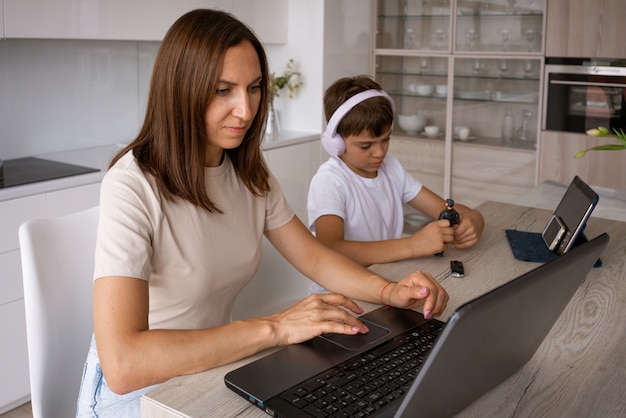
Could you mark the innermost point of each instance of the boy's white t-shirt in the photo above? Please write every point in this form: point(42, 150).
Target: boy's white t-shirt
point(371, 208)
point(196, 262)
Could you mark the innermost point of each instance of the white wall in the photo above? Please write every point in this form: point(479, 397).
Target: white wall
point(58, 95)
point(327, 40)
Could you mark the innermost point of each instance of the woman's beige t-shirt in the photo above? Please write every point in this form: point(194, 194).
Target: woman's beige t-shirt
point(196, 262)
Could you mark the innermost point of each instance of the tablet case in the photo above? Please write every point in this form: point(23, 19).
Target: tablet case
point(529, 246)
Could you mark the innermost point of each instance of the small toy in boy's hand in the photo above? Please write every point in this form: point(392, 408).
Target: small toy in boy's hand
point(450, 214)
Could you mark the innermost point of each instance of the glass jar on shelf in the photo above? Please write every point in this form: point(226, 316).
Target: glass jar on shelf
point(422, 25)
point(489, 94)
point(511, 27)
point(418, 86)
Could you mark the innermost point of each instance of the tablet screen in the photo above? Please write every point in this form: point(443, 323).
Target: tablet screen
point(573, 210)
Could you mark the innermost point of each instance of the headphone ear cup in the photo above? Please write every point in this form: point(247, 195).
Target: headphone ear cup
point(333, 144)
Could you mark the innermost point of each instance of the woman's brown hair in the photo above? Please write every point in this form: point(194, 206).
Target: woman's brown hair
point(374, 115)
point(172, 141)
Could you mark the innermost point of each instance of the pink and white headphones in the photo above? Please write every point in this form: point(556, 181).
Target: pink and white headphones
point(332, 142)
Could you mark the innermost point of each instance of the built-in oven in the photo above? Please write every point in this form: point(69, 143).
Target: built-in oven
point(581, 94)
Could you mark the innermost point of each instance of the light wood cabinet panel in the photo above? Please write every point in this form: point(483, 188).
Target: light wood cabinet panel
point(585, 28)
point(2, 20)
point(597, 168)
point(491, 173)
point(424, 159)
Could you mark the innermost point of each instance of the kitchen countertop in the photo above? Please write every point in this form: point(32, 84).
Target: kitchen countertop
point(96, 157)
point(99, 157)
point(611, 205)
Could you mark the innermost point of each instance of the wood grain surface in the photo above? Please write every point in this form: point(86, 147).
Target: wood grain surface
point(579, 370)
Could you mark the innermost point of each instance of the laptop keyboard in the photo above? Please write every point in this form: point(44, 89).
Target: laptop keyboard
point(368, 382)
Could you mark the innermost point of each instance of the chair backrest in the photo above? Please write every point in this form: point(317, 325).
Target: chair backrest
point(57, 267)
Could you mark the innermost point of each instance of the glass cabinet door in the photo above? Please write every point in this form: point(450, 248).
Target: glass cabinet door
point(497, 99)
point(419, 87)
point(499, 26)
point(422, 25)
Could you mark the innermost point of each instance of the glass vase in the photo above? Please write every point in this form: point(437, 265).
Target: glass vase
point(272, 127)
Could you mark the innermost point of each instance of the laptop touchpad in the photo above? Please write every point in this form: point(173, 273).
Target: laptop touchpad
point(355, 342)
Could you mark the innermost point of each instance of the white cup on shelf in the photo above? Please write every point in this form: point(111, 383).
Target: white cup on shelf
point(462, 132)
point(431, 130)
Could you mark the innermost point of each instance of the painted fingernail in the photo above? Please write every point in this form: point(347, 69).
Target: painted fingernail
point(423, 290)
point(427, 314)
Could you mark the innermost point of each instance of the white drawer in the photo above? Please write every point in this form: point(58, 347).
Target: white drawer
point(74, 199)
point(11, 288)
point(14, 379)
point(15, 212)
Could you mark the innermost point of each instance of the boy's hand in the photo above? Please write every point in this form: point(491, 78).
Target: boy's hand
point(469, 229)
point(433, 238)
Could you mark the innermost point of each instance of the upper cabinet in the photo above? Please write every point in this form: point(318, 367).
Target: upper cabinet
point(143, 20)
point(585, 29)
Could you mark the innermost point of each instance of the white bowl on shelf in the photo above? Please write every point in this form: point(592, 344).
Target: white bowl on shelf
point(412, 124)
point(424, 89)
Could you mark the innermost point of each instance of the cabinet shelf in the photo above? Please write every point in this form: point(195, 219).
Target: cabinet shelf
point(485, 142)
point(497, 96)
point(488, 59)
point(500, 15)
point(513, 76)
point(415, 16)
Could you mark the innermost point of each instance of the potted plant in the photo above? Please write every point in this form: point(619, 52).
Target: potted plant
point(601, 131)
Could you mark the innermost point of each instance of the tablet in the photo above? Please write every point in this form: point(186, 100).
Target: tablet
point(568, 221)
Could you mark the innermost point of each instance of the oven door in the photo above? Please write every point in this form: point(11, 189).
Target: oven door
point(576, 102)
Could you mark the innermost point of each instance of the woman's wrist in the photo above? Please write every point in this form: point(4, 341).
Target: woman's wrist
point(382, 293)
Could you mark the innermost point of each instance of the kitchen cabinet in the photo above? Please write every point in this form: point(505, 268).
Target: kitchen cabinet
point(293, 166)
point(597, 168)
point(476, 65)
point(14, 380)
point(2, 19)
point(584, 29)
point(142, 20)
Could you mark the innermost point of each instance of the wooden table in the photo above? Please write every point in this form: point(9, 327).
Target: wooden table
point(579, 370)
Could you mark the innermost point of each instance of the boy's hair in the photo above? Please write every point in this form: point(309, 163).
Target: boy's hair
point(374, 115)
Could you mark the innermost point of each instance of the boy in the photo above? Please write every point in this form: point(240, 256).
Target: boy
point(355, 198)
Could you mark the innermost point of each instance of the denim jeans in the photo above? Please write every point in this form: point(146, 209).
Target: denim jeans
point(95, 399)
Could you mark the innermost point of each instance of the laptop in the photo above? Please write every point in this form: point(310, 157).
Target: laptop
point(484, 342)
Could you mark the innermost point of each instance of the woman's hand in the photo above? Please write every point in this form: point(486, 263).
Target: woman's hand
point(415, 290)
point(316, 315)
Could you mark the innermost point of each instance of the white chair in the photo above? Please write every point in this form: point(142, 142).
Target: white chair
point(57, 267)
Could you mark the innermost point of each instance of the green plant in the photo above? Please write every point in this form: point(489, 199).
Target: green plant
point(601, 131)
point(289, 79)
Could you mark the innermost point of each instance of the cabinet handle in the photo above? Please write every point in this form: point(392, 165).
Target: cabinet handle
point(587, 83)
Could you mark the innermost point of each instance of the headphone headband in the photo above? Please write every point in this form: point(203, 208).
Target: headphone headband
point(333, 142)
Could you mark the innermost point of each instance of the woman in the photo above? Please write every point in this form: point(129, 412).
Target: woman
point(183, 209)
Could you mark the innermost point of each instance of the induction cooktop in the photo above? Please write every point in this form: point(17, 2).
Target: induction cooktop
point(27, 170)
